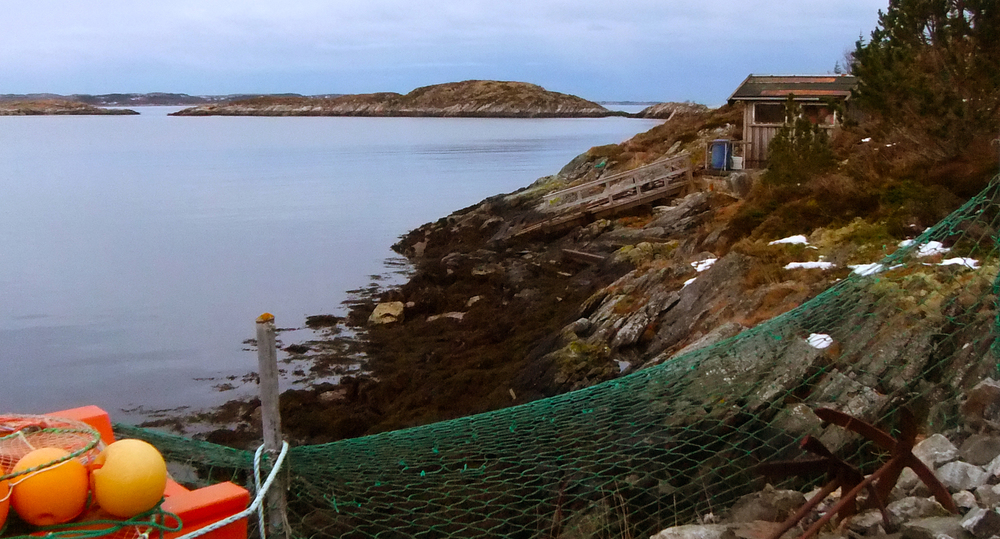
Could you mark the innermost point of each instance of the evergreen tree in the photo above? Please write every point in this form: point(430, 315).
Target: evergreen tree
point(932, 65)
point(798, 151)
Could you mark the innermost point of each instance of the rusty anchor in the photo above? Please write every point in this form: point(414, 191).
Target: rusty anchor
point(845, 476)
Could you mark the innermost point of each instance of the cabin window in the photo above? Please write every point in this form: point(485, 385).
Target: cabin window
point(773, 113)
point(768, 113)
point(818, 114)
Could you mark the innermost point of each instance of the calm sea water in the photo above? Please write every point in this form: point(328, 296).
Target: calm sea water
point(137, 251)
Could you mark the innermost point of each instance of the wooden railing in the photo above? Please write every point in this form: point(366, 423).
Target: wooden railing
point(613, 194)
point(646, 182)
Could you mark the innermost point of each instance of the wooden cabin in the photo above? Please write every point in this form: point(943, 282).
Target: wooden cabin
point(764, 96)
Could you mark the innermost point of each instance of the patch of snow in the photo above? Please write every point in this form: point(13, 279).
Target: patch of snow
point(689, 281)
point(906, 243)
point(866, 139)
point(932, 248)
point(970, 263)
point(810, 265)
point(819, 341)
point(703, 265)
point(622, 365)
point(873, 268)
point(867, 269)
point(795, 240)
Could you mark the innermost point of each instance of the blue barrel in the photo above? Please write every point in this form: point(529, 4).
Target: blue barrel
point(722, 150)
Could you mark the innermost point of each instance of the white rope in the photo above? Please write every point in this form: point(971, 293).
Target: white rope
point(257, 502)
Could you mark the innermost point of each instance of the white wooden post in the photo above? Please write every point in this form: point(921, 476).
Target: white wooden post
point(267, 365)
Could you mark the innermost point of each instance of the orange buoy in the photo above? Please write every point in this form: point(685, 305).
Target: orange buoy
point(4, 500)
point(52, 495)
point(129, 477)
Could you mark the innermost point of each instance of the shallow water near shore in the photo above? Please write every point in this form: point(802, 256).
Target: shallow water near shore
point(137, 251)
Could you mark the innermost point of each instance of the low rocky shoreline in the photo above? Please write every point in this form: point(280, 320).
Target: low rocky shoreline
point(57, 107)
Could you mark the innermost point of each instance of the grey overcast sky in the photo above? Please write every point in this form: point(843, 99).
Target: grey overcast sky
point(658, 50)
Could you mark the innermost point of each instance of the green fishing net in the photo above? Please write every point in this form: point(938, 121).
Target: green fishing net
point(674, 442)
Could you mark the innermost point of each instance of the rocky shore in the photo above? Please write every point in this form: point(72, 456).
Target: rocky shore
point(472, 99)
point(56, 107)
point(491, 318)
point(965, 460)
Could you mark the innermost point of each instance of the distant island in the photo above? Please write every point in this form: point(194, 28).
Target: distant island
point(132, 100)
point(39, 107)
point(469, 99)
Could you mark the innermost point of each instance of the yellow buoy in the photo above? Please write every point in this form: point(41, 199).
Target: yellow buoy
point(52, 495)
point(129, 477)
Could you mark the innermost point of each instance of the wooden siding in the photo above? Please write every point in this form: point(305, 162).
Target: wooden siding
point(759, 136)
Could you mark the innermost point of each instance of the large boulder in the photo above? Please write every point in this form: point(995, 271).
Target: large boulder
point(387, 313)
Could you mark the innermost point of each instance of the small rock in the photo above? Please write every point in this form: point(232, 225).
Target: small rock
point(490, 222)
point(867, 523)
point(529, 294)
point(961, 476)
point(908, 479)
point(693, 531)
point(453, 259)
point(799, 420)
point(915, 508)
point(769, 504)
point(935, 451)
point(989, 495)
point(935, 528)
point(387, 313)
point(982, 522)
point(487, 269)
point(964, 499)
point(982, 404)
point(980, 449)
point(757, 529)
point(739, 184)
point(993, 468)
point(452, 315)
point(335, 395)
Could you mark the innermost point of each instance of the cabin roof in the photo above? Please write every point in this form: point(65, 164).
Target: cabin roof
point(804, 87)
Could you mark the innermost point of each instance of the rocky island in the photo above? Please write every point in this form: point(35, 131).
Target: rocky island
point(56, 107)
point(468, 99)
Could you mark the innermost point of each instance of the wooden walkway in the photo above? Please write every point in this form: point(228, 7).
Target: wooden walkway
point(613, 194)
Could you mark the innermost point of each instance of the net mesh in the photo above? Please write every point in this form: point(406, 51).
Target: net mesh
point(673, 442)
point(22, 434)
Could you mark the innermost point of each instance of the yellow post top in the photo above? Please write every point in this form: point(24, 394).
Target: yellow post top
point(264, 318)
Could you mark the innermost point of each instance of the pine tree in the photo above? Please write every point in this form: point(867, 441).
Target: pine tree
point(798, 151)
point(933, 65)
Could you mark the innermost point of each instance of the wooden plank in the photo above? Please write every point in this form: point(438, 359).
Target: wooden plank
point(638, 201)
point(610, 195)
point(581, 256)
point(581, 194)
